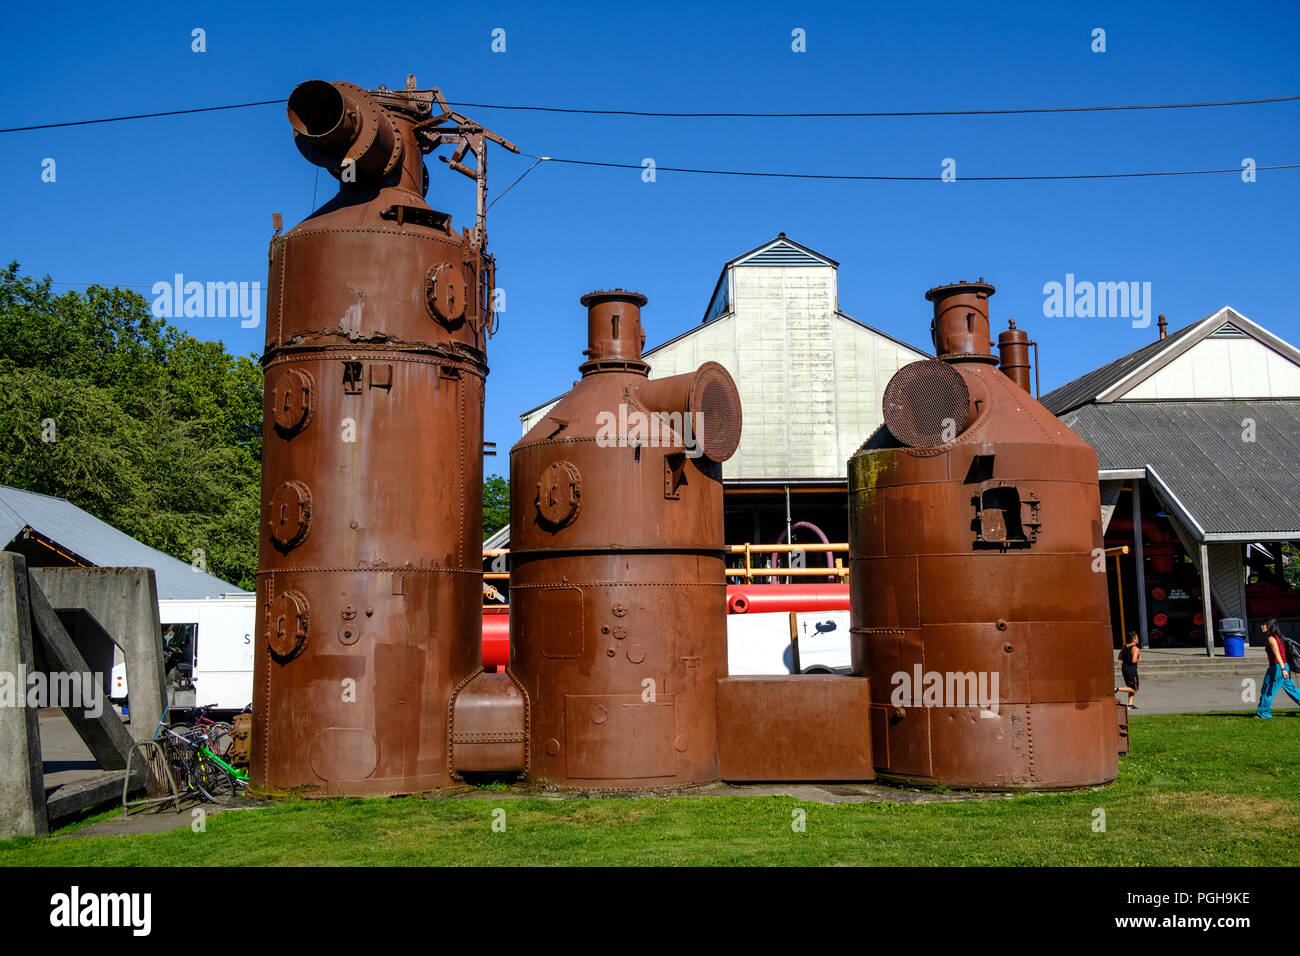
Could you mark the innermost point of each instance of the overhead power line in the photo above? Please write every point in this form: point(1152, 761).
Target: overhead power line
point(137, 116)
point(881, 114)
point(908, 179)
point(716, 115)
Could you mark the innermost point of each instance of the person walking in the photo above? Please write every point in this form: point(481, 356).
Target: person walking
point(1278, 676)
point(1129, 655)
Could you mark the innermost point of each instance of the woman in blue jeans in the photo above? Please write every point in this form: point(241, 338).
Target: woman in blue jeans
point(1279, 674)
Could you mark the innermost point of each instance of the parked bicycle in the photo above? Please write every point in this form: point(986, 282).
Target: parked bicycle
point(194, 760)
point(220, 733)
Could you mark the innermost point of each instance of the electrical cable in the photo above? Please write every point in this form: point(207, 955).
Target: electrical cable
point(718, 115)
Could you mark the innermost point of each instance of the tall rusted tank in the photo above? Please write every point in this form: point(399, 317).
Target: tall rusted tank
point(618, 602)
point(979, 601)
point(369, 574)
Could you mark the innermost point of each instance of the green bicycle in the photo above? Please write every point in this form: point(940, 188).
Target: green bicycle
point(193, 761)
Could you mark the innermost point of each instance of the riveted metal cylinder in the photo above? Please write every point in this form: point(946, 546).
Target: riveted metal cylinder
point(618, 610)
point(369, 579)
point(979, 602)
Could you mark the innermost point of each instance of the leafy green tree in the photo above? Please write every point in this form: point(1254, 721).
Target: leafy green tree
point(154, 431)
point(1291, 564)
point(496, 504)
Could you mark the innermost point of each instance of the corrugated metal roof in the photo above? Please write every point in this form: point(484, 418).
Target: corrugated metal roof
point(1230, 485)
point(1087, 387)
point(100, 543)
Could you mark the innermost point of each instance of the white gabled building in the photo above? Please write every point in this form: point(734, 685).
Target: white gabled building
point(1198, 445)
point(811, 379)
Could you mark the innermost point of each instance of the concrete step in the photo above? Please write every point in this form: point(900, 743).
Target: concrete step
point(100, 790)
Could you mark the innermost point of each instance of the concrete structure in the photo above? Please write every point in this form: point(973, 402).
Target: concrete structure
point(110, 606)
point(1198, 444)
point(22, 782)
point(117, 605)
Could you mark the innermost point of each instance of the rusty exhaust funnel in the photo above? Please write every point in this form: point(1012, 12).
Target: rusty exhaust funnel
point(961, 321)
point(614, 334)
point(339, 124)
point(704, 401)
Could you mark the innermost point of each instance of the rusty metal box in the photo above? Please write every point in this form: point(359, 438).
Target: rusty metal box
point(786, 727)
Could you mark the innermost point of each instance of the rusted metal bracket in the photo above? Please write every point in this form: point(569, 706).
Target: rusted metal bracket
point(450, 127)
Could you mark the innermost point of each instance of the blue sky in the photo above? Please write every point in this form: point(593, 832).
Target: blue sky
point(136, 202)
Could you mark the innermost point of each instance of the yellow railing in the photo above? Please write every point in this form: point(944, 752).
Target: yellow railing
point(748, 571)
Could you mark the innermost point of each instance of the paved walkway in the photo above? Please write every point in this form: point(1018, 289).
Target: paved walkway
point(1199, 695)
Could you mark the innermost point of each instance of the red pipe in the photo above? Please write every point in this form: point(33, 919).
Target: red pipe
point(761, 598)
point(741, 599)
point(496, 637)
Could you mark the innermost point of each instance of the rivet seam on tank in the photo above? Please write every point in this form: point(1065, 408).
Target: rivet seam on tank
point(444, 294)
point(559, 494)
point(293, 401)
point(290, 515)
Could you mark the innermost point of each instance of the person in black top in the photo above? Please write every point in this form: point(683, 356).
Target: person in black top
point(1129, 655)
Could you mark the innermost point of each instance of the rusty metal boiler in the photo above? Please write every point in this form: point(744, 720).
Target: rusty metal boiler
point(979, 604)
point(369, 574)
point(618, 601)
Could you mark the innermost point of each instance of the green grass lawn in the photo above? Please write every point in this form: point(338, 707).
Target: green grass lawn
point(1198, 789)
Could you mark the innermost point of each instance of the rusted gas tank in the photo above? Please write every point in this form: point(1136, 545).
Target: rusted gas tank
point(976, 534)
point(618, 603)
point(370, 570)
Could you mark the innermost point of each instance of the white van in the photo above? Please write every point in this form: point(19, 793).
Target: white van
point(208, 652)
point(759, 643)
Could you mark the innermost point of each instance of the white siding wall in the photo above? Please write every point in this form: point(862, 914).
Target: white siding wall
point(865, 362)
point(1222, 368)
point(810, 381)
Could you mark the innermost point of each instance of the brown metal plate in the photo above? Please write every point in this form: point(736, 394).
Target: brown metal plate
point(806, 727)
point(619, 737)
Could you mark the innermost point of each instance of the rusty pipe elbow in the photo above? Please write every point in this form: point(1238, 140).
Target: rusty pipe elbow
point(337, 125)
point(709, 403)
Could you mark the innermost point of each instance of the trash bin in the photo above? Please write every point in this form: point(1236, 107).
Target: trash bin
point(1233, 632)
